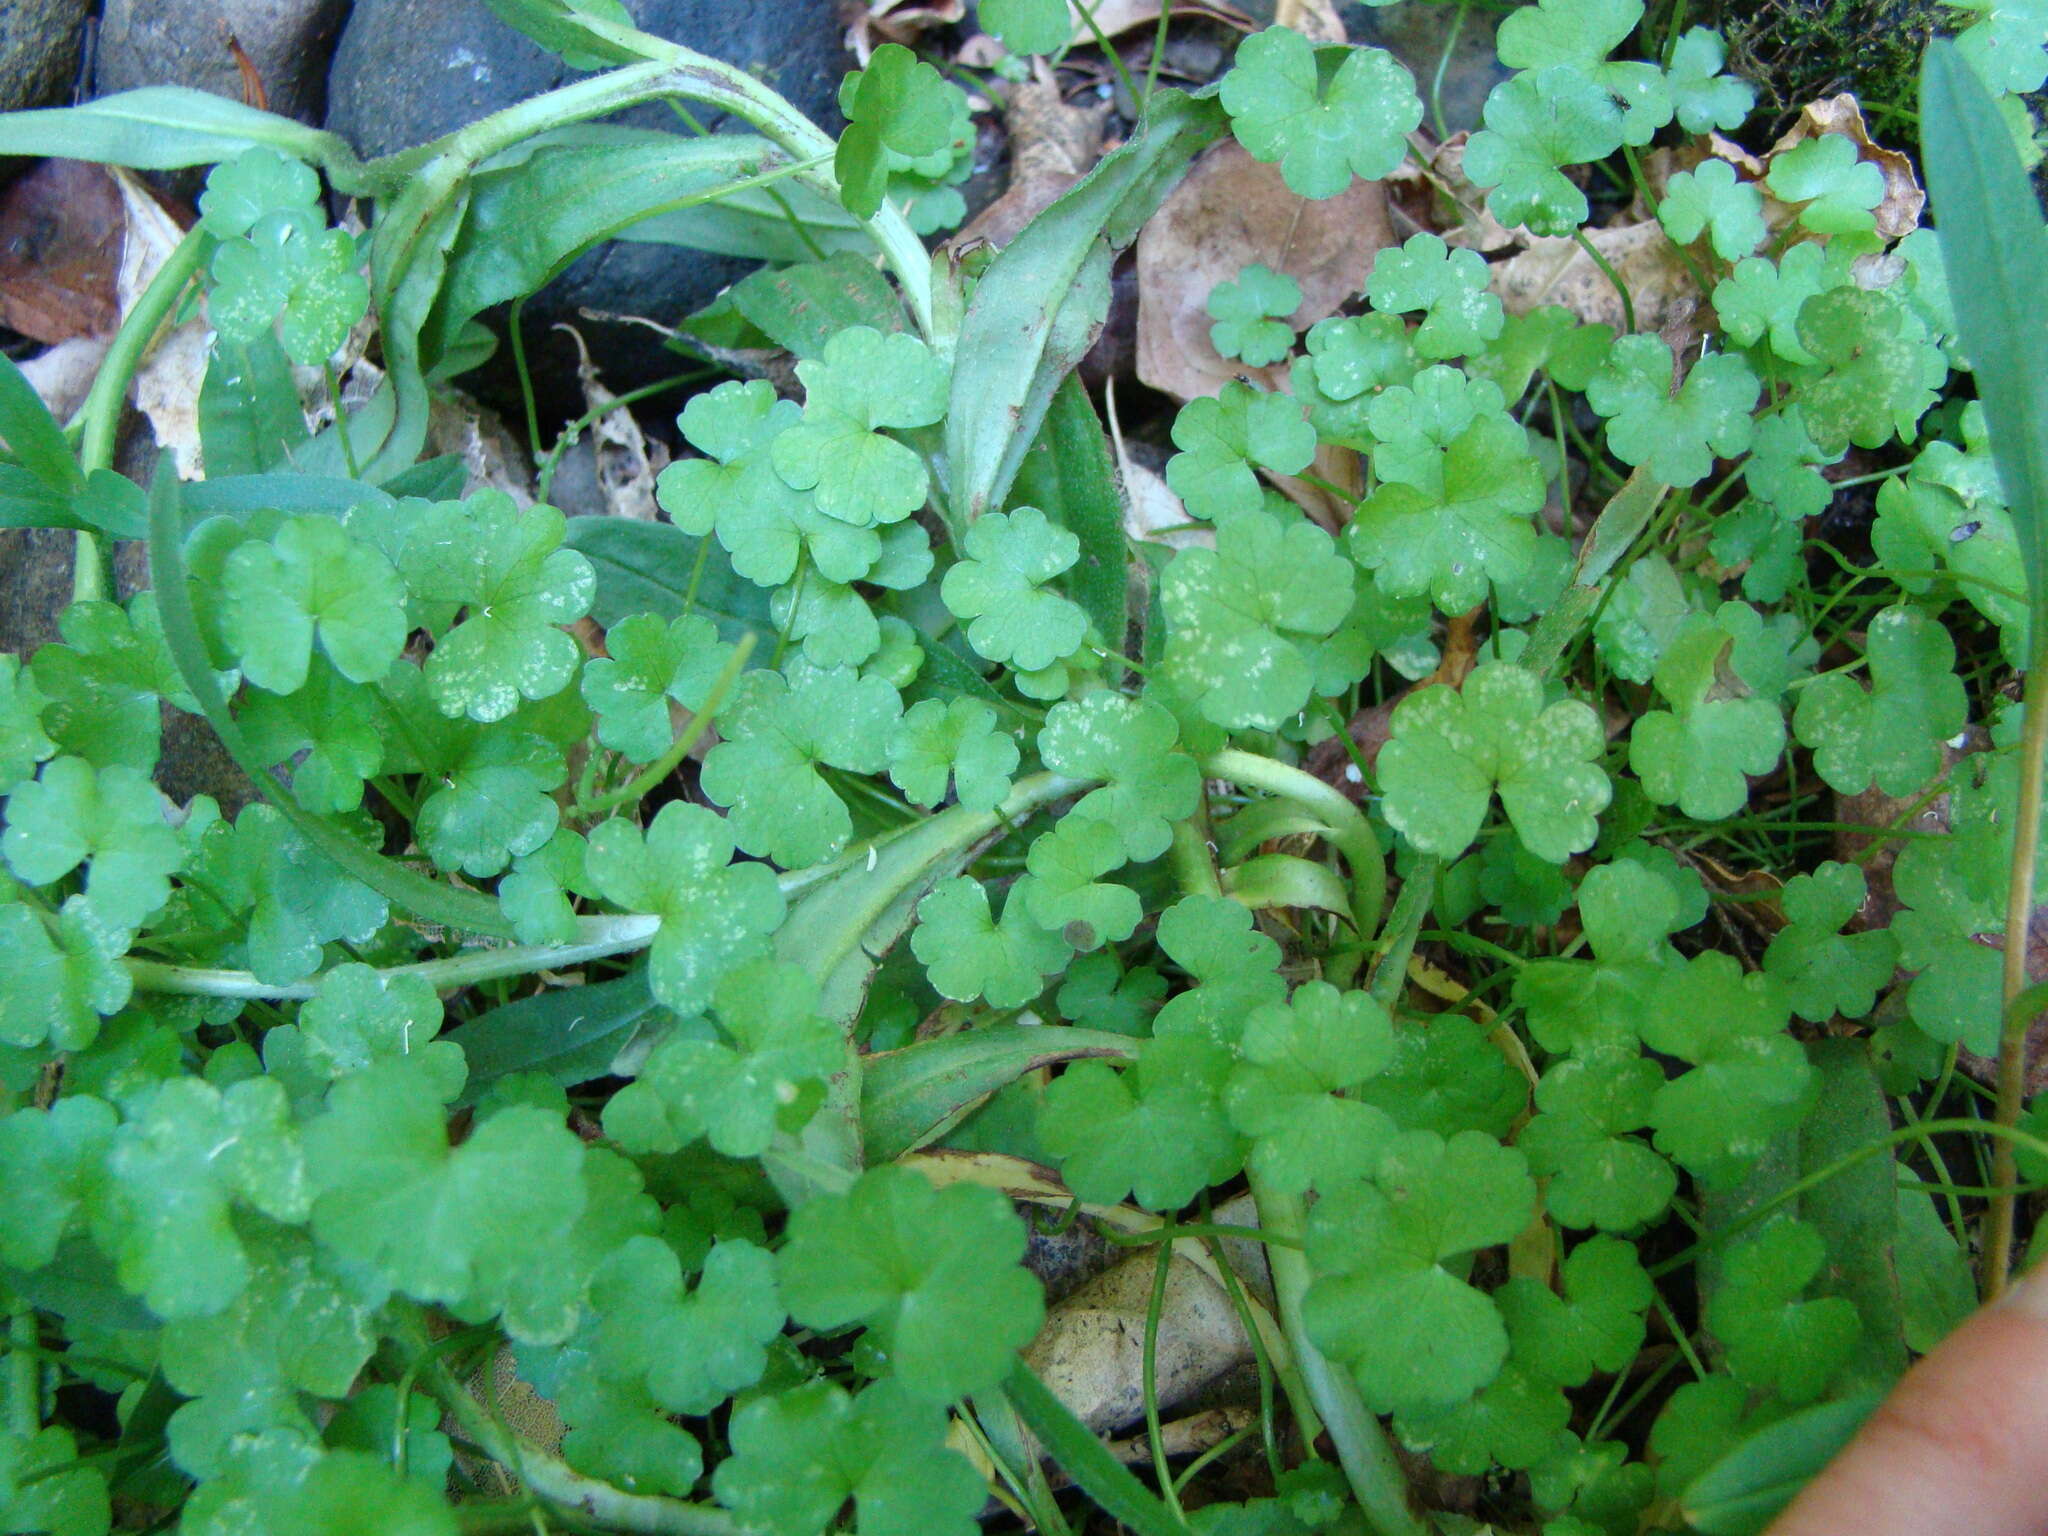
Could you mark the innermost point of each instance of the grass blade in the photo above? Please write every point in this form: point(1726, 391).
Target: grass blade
point(1997, 258)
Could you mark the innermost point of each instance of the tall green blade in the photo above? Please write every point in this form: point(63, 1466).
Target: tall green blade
point(1993, 243)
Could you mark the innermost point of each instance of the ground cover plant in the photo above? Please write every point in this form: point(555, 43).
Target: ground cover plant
point(1512, 891)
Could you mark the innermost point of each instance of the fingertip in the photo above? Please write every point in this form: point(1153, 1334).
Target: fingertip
point(1957, 1448)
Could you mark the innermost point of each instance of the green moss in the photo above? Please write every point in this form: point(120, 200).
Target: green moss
point(1801, 50)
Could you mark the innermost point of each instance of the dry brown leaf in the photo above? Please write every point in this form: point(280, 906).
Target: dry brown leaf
point(625, 467)
point(1150, 507)
point(491, 456)
point(166, 387)
point(1439, 199)
point(1052, 146)
point(1116, 17)
point(1229, 212)
point(1899, 214)
point(899, 21)
point(1316, 20)
point(61, 227)
point(1090, 1351)
point(1550, 271)
point(63, 375)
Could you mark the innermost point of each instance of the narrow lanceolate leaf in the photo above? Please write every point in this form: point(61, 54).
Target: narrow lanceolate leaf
point(1997, 258)
point(1042, 301)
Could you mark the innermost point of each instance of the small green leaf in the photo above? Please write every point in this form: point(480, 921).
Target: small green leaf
point(1251, 315)
point(1890, 734)
point(864, 382)
point(1538, 122)
point(648, 663)
point(1129, 744)
point(1156, 1132)
point(239, 192)
point(1243, 614)
point(177, 1170)
point(1710, 199)
point(997, 588)
point(1235, 966)
point(1677, 436)
point(1839, 190)
point(936, 742)
point(1704, 98)
point(737, 1095)
point(1459, 314)
point(715, 914)
point(1027, 26)
point(1286, 1095)
point(311, 579)
point(1880, 377)
point(1452, 748)
point(288, 268)
point(1320, 135)
point(898, 109)
point(800, 1455)
point(1775, 1340)
point(932, 1273)
point(1066, 893)
point(111, 820)
point(1388, 1300)
point(1599, 1175)
point(778, 734)
point(504, 569)
point(1221, 438)
point(968, 954)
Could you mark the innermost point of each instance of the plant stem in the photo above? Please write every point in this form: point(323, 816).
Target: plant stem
point(515, 333)
point(595, 414)
point(553, 1480)
point(599, 937)
point(1628, 305)
point(1158, 49)
point(24, 1376)
point(1996, 1256)
point(1350, 833)
point(348, 447)
point(1155, 1439)
point(1116, 60)
point(1363, 1449)
point(1390, 973)
point(655, 772)
point(99, 417)
point(1443, 64)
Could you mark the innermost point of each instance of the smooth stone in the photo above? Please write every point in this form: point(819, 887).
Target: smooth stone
point(407, 71)
point(38, 50)
point(186, 42)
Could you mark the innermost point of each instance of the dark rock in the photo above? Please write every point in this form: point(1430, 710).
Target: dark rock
point(1418, 35)
point(38, 50)
point(407, 71)
point(192, 42)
